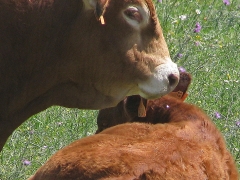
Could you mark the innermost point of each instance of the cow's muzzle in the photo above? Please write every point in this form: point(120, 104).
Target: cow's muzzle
point(162, 81)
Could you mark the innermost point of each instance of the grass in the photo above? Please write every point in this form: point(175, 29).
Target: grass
point(211, 56)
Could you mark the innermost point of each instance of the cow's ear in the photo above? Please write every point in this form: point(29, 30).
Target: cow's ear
point(98, 6)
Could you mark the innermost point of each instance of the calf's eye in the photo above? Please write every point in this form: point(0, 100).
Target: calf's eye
point(133, 13)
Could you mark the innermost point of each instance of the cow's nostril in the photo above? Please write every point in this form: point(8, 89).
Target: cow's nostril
point(173, 79)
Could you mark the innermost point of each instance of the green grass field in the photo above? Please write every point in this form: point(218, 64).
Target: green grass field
point(211, 55)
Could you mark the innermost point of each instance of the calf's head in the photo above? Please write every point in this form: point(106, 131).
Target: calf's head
point(124, 45)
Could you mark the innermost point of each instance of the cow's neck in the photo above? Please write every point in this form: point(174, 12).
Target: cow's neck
point(30, 73)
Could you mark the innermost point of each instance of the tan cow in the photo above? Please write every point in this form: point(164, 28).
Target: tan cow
point(85, 54)
point(188, 146)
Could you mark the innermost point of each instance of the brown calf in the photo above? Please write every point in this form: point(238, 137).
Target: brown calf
point(128, 110)
point(187, 146)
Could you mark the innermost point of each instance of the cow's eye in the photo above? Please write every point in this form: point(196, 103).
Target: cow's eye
point(133, 13)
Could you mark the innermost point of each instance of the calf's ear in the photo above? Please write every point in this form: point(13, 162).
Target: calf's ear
point(98, 6)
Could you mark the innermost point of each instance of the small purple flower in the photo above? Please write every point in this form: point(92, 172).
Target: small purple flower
point(217, 115)
point(181, 69)
point(197, 43)
point(238, 123)
point(179, 55)
point(26, 162)
point(167, 106)
point(160, 1)
point(31, 132)
point(226, 2)
point(198, 27)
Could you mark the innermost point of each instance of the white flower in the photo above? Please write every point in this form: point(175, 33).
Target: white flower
point(89, 133)
point(183, 17)
point(198, 11)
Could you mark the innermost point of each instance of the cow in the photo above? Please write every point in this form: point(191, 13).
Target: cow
point(137, 109)
point(86, 54)
point(180, 142)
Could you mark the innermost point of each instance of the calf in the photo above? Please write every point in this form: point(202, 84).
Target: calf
point(137, 109)
point(183, 143)
point(85, 54)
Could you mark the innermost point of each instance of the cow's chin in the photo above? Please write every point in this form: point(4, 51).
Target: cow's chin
point(160, 82)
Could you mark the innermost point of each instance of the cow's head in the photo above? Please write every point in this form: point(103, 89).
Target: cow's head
point(128, 52)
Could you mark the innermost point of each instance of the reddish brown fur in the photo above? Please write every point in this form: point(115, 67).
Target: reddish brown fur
point(55, 52)
point(189, 146)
